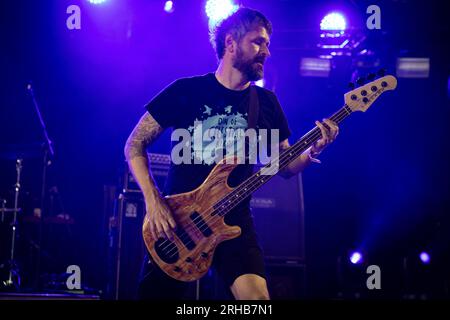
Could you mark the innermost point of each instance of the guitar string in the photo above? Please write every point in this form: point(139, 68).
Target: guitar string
point(315, 135)
point(200, 227)
point(340, 115)
point(192, 228)
point(171, 248)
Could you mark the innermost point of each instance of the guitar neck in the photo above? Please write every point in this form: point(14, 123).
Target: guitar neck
point(262, 176)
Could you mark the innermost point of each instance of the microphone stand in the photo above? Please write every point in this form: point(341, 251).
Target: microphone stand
point(48, 152)
point(13, 271)
point(13, 281)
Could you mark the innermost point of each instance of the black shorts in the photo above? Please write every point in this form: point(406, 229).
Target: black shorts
point(232, 258)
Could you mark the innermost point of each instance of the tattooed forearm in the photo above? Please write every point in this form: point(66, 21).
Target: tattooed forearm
point(145, 132)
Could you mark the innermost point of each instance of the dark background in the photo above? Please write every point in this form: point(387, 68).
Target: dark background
point(383, 185)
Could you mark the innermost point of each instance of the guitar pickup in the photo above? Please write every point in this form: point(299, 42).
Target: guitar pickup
point(185, 238)
point(201, 225)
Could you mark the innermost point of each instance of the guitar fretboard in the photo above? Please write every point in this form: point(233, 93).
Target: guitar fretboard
point(262, 176)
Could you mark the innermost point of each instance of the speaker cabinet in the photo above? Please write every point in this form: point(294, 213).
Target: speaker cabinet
point(127, 247)
point(278, 213)
point(286, 279)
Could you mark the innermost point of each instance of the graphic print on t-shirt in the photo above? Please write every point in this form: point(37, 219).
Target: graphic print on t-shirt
point(217, 134)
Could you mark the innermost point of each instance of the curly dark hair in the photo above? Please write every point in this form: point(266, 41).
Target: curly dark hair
point(237, 24)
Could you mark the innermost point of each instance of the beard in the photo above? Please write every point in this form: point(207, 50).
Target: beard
point(249, 66)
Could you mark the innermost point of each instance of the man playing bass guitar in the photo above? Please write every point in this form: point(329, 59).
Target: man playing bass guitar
point(220, 101)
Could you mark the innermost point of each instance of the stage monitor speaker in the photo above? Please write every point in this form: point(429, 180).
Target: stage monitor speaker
point(277, 208)
point(286, 281)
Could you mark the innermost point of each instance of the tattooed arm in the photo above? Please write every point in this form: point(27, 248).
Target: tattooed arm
point(147, 131)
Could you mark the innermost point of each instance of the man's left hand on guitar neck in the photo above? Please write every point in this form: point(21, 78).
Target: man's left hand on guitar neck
point(329, 130)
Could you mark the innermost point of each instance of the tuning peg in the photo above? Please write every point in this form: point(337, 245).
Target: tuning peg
point(360, 81)
point(381, 72)
point(351, 85)
point(371, 76)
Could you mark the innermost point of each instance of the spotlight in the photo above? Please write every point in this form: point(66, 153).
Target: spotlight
point(413, 67)
point(424, 257)
point(217, 10)
point(356, 257)
point(336, 39)
point(333, 21)
point(315, 67)
point(96, 1)
point(168, 6)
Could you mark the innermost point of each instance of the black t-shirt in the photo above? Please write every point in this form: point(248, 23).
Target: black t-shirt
point(188, 102)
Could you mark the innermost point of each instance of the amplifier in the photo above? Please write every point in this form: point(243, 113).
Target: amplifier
point(159, 166)
point(278, 212)
point(126, 247)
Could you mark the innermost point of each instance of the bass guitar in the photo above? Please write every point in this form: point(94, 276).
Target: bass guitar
point(199, 214)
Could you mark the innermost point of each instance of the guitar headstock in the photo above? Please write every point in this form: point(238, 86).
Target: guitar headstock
point(361, 98)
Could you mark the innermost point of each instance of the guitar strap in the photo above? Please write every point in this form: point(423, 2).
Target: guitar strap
point(253, 113)
point(253, 108)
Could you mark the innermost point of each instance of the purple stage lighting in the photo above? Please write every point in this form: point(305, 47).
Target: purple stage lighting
point(333, 21)
point(96, 1)
point(315, 67)
point(168, 6)
point(217, 10)
point(413, 67)
point(356, 257)
point(424, 257)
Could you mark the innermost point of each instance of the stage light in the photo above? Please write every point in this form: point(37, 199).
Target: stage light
point(336, 39)
point(413, 67)
point(424, 257)
point(356, 257)
point(96, 1)
point(333, 21)
point(315, 67)
point(217, 10)
point(168, 6)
